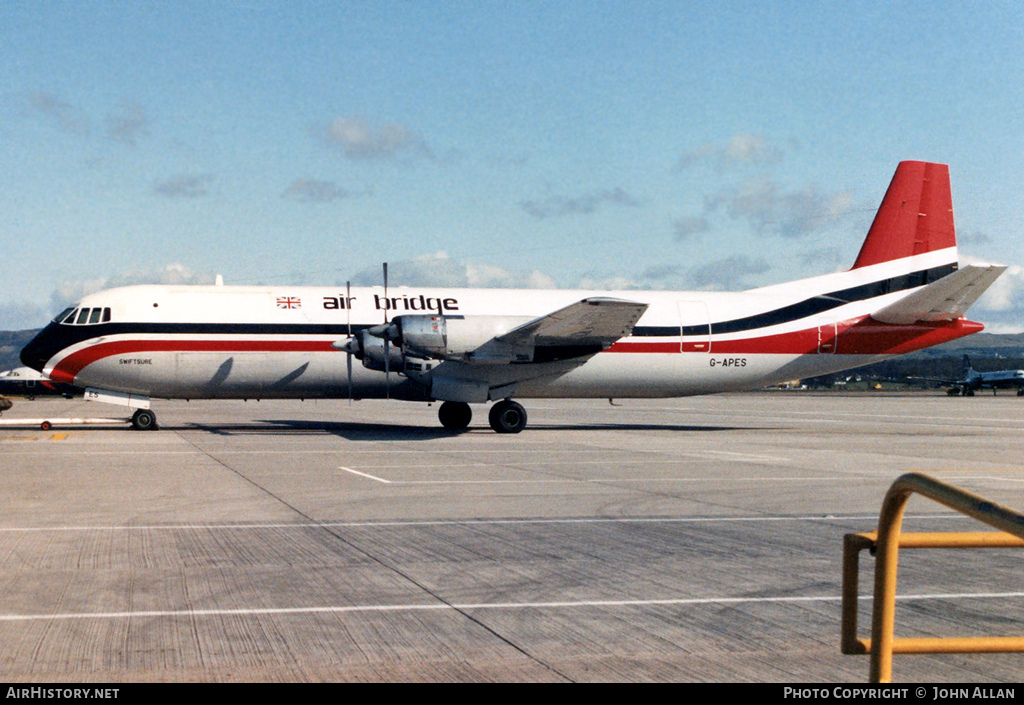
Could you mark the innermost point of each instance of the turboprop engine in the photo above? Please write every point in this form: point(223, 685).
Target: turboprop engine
point(368, 346)
point(447, 337)
point(434, 337)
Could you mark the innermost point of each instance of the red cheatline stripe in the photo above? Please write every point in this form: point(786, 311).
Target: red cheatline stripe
point(863, 337)
point(70, 366)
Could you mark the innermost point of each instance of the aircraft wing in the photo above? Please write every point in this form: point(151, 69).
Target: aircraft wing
point(944, 300)
point(583, 328)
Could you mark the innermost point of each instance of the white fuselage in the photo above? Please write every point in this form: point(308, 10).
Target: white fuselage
point(267, 342)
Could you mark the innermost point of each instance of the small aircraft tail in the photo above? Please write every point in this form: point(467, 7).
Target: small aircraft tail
point(916, 216)
point(967, 367)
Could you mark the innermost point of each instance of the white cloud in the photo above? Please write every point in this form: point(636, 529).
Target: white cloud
point(315, 191)
point(740, 150)
point(60, 113)
point(175, 273)
point(729, 273)
point(553, 206)
point(1001, 307)
point(438, 269)
point(1006, 293)
point(185, 186)
point(358, 139)
point(770, 210)
point(23, 315)
point(129, 125)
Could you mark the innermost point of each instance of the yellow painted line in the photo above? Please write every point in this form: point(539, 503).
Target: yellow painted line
point(59, 436)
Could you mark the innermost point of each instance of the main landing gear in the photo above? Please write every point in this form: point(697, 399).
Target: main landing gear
point(144, 420)
point(505, 416)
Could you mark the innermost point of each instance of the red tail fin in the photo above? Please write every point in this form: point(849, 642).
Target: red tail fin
point(916, 215)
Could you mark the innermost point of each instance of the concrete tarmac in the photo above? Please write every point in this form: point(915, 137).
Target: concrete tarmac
point(690, 539)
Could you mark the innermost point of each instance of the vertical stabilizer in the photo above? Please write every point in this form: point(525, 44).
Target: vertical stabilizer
point(916, 215)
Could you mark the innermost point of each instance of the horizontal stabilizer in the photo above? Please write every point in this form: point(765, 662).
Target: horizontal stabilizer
point(944, 300)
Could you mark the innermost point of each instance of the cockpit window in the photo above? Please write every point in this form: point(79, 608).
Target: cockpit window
point(84, 316)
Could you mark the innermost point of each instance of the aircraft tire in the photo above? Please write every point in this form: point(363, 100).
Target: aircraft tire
point(455, 415)
point(144, 420)
point(507, 417)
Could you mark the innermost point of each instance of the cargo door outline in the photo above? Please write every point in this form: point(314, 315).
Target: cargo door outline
point(828, 334)
point(694, 327)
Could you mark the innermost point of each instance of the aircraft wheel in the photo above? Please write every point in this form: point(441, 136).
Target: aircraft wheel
point(952, 391)
point(507, 417)
point(970, 392)
point(144, 420)
point(1020, 392)
point(455, 415)
point(46, 425)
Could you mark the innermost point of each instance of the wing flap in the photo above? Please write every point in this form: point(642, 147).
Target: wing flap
point(944, 300)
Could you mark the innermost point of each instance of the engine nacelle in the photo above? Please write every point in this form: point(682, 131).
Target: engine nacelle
point(450, 337)
point(371, 352)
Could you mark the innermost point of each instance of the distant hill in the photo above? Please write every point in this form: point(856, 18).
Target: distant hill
point(11, 343)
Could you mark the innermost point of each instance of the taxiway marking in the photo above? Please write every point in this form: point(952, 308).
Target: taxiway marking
point(363, 474)
point(436, 607)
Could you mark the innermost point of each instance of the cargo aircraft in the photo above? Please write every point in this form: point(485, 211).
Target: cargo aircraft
point(905, 291)
point(972, 380)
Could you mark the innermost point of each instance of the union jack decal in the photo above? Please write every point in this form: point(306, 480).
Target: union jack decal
point(289, 302)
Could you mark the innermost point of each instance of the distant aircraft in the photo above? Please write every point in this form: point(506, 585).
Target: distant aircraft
point(906, 291)
point(26, 382)
point(972, 380)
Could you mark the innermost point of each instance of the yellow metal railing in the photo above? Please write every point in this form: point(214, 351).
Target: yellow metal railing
point(887, 541)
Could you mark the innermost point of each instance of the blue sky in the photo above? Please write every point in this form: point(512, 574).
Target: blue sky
point(598, 144)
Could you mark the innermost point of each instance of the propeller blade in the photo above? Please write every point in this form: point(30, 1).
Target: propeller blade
point(387, 370)
point(348, 363)
point(387, 353)
point(348, 308)
point(351, 340)
point(387, 302)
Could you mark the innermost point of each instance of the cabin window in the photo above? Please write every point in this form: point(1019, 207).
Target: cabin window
point(83, 316)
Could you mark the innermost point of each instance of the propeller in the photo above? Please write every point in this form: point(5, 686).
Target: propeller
point(387, 353)
point(351, 344)
point(348, 327)
point(389, 332)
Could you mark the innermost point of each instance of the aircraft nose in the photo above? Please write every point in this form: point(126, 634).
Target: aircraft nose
point(38, 350)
